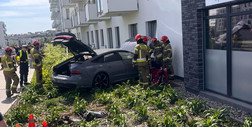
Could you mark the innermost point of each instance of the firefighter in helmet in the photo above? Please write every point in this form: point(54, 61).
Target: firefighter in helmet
point(9, 72)
point(36, 57)
point(140, 59)
point(157, 52)
point(23, 61)
point(145, 40)
point(167, 56)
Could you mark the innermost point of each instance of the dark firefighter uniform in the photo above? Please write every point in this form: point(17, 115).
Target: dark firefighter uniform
point(149, 50)
point(167, 56)
point(9, 72)
point(23, 60)
point(37, 62)
point(158, 52)
point(141, 60)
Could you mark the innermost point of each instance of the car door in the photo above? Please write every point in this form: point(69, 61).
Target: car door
point(114, 66)
point(127, 61)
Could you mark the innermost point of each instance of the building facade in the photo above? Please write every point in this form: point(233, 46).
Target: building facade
point(109, 23)
point(217, 42)
point(3, 34)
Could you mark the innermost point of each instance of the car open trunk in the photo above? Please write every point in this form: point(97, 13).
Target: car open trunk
point(80, 51)
point(65, 67)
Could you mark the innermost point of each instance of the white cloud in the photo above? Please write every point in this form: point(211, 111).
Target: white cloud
point(25, 3)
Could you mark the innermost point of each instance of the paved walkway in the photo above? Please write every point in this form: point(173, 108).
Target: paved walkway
point(5, 103)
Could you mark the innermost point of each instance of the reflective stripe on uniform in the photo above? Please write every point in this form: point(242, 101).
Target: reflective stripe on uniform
point(159, 55)
point(168, 58)
point(14, 87)
point(141, 60)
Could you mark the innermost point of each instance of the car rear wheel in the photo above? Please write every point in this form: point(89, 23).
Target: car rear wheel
point(101, 80)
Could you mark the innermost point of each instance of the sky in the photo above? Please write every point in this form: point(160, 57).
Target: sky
point(22, 16)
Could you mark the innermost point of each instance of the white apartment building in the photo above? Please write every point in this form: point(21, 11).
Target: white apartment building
point(108, 23)
point(3, 34)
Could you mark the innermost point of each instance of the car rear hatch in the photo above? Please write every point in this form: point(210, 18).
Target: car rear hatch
point(75, 46)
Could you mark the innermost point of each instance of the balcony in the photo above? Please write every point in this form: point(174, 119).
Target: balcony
point(92, 14)
point(75, 21)
point(56, 23)
point(55, 13)
point(107, 8)
point(66, 3)
point(67, 24)
point(77, 1)
point(82, 21)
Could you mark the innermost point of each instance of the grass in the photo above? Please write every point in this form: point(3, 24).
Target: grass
point(124, 104)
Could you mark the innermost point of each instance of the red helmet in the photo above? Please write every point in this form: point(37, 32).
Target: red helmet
point(153, 40)
point(145, 39)
point(36, 43)
point(8, 49)
point(137, 37)
point(164, 39)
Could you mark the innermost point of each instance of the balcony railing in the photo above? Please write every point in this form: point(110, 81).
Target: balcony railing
point(67, 3)
point(67, 24)
point(56, 23)
point(107, 8)
point(77, 1)
point(91, 12)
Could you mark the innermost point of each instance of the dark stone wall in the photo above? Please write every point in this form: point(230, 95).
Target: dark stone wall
point(192, 26)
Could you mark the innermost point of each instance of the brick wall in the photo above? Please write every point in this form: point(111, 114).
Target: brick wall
point(193, 44)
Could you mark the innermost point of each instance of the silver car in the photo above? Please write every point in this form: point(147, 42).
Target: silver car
point(89, 69)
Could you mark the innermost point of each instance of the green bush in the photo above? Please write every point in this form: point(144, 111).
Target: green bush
point(19, 114)
point(248, 122)
point(141, 113)
point(79, 106)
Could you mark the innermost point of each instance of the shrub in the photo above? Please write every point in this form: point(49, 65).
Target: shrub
point(196, 106)
point(19, 114)
point(141, 113)
point(248, 122)
point(79, 106)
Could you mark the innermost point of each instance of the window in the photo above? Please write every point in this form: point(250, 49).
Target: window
point(99, 6)
point(67, 13)
point(132, 30)
point(99, 60)
point(97, 39)
point(241, 7)
point(117, 34)
point(151, 28)
point(110, 38)
point(92, 38)
point(111, 57)
point(88, 38)
point(102, 38)
point(126, 55)
point(217, 11)
point(217, 34)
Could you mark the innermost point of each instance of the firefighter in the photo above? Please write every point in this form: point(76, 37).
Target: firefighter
point(167, 57)
point(23, 61)
point(37, 62)
point(157, 52)
point(145, 40)
point(141, 60)
point(9, 72)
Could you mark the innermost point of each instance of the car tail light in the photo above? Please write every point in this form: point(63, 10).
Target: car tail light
point(75, 72)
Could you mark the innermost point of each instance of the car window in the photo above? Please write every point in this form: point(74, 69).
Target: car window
point(126, 55)
point(111, 57)
point(99, 60)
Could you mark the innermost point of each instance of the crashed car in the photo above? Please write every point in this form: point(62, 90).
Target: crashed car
point(89, 69)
